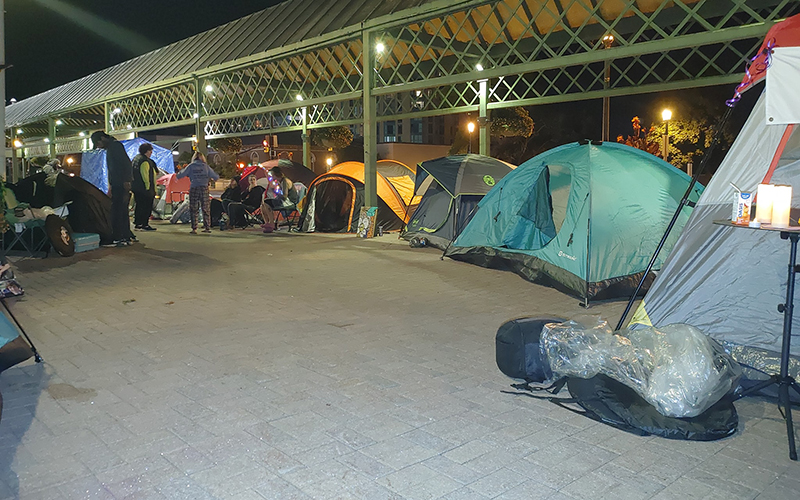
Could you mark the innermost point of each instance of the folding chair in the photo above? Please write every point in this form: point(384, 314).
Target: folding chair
point(287, 216)
point(290, 214)
point(32, 239)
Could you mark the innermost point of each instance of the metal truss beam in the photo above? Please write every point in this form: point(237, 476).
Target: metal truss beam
point(532, 52)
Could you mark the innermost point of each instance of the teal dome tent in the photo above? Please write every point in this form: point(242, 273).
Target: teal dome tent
point(584, 218)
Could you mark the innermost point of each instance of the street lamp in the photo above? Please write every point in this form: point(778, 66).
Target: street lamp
point(608, 41)
point(470, 129)
point(329, 162)
point(666, 115)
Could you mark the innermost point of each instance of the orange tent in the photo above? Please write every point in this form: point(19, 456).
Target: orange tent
point(335, 198)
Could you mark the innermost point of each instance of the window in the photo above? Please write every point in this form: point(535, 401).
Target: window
point(416, 130)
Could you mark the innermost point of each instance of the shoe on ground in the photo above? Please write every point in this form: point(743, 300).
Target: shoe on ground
point(206, 230)
point(193, 231)
point(109, 245)
point(123, 243)
point(137, 227)
point(268, 228)
point(148, 228)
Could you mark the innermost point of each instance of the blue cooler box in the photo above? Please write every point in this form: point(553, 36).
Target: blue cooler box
point(86, 241)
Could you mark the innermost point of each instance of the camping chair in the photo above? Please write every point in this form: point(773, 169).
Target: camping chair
point(253, 218)
point(290, 214)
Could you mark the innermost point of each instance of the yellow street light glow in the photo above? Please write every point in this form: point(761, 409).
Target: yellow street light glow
point(17, 143)
point(380, 47)
point(608, 40)
point(479, 67)
point(666, 114)
point(329, 161)
point(70, 160)
point(59, 122)
point(19, 130)
point(471, 127)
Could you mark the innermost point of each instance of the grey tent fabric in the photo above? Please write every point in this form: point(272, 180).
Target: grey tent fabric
point(729, 281)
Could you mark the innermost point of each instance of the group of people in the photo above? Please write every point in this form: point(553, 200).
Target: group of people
point(139, 177)
point(238, 203)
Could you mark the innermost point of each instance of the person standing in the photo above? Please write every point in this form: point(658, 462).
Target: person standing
point(144, 187)
point(199, 173)
point(119, 181)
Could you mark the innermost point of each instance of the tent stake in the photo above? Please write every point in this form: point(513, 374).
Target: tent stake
point(683, 203)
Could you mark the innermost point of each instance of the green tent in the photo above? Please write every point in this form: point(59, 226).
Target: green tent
point(584, 218)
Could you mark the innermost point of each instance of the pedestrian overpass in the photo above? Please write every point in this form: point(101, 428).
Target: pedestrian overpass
point(306, 64)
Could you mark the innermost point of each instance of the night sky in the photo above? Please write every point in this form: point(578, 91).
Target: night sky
point(52, 42)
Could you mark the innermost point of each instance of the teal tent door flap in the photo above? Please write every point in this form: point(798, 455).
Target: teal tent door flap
point(533, 227)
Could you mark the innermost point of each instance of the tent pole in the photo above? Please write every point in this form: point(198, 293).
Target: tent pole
point(36, 355)
point(684, 201)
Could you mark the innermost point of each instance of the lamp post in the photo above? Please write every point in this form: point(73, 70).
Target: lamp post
point(607, 41)
point(666, 115)
point(470, 129)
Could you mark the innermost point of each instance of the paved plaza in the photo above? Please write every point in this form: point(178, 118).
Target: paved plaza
point(239, 365)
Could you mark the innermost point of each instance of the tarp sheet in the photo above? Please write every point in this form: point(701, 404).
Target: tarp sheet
point(162, 156)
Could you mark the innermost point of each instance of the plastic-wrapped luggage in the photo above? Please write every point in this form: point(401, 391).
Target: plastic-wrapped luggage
point(675, 368)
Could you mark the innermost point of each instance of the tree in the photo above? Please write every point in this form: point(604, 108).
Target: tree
point(688, 140)
point(512, 122)
point(184, 157)
point(227, 148)
point(641, 138)
point(338, 137)
point(509, 128)
point(227, 145)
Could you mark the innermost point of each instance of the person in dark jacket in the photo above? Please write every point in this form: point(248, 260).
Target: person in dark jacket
point(233, 193)
point(144, 186)
point(119, 181)
point(199, 173)
point(251, 201)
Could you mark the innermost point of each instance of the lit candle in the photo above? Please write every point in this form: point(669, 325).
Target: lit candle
point(764, 203)
point(781, 205)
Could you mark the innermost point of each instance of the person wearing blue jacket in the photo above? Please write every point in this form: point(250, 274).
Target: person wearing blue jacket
point(199, 174)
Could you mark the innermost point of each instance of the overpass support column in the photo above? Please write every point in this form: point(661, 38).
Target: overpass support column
point(370, 119)
point(306, 139)
point(51, 136)
point(483, 118)
point(14, 162)
point(199, 126)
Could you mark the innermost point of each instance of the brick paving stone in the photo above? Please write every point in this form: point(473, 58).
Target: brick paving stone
point(287, 366)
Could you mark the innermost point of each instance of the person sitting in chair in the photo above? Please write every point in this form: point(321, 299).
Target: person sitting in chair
point(285, 196)
point(220, 206)
point(251, 200)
